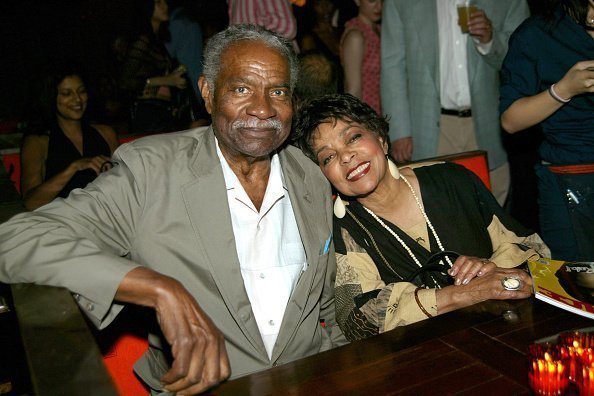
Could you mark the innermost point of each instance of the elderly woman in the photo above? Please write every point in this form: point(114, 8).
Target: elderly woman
point(396, 234)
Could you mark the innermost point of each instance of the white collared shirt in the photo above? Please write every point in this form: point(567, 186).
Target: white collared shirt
point(453, 66)
point(269, 247)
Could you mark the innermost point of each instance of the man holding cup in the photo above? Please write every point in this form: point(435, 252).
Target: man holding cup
point(444, 98)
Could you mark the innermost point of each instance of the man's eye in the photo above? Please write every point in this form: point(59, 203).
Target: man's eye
point(279, 92)
point(241, 90)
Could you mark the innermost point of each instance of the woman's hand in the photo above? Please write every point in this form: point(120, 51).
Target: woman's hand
point(488, 286)
point(465, 268)
point(99, 163)
point(578, 80)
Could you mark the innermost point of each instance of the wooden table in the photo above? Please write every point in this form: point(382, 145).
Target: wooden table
point(479, 350)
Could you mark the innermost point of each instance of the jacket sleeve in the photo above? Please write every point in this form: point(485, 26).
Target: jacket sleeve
point(79, 243)
point(365, 305)
point(516, 13)
point(393, 75)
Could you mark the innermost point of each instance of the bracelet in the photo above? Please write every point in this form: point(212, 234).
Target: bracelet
point(419, 303)
point(556, 96)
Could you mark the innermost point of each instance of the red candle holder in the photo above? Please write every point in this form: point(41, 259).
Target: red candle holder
point(585, 382)
point(548, 375)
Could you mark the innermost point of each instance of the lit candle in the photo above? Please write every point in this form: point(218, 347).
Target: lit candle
point(548, 376)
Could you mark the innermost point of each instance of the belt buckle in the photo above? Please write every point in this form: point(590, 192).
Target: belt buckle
point(464, 113)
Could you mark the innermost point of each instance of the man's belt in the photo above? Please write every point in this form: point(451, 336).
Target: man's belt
point(458, 113)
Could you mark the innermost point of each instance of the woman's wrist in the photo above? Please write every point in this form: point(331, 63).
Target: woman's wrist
point(560, 97)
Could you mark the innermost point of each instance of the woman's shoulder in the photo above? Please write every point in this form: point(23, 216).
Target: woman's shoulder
point(443, 169)
point(108, 134)
point(533, 28)
point(35, 143)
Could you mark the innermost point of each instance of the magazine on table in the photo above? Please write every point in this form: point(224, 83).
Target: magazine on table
point(566, 284)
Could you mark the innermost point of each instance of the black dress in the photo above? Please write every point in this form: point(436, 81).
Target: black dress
point(61, 152)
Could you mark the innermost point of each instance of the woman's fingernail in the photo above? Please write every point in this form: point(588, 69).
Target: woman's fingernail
point(465, 282)
point(457, 282)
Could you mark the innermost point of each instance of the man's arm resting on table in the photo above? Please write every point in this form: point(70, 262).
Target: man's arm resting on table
point(199, 356)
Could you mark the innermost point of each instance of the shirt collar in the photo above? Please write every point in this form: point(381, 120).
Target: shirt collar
point(276, 180)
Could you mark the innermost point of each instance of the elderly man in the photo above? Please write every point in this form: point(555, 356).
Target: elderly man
point(220, 229)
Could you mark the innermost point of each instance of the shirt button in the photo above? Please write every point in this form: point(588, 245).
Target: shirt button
point(271, 322)
point(262, 276)
point(90, 306)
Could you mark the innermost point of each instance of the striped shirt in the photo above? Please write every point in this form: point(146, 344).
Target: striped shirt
point(274, 15)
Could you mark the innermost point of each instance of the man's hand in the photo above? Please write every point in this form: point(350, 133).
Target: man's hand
point(480, 26)
point(198, 348)
point(402, 149)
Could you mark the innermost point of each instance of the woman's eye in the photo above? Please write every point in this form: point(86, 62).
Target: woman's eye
point(327, 159)
point(355, 137)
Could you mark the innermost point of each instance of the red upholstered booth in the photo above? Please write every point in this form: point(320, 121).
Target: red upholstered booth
point(476, 161)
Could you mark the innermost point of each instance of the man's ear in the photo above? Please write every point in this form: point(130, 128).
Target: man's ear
point(205, 92)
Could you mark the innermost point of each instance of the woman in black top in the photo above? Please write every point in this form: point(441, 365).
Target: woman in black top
point(63, 151)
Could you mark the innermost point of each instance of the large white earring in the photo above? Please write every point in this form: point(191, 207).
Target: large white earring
point(393, 169)
point(339, 208)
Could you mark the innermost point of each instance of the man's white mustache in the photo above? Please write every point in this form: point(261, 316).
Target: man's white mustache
point(265, 124)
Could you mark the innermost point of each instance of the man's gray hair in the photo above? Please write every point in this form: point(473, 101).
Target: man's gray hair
point(217, 44)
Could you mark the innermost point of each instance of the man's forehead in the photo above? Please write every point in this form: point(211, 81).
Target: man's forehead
point(248, 48)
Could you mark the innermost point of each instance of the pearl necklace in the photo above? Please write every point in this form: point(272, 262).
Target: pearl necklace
point(408, 250)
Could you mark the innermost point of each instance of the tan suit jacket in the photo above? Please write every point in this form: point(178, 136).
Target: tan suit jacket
point(164, 206)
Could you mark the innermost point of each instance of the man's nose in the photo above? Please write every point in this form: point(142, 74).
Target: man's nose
point(261, 106)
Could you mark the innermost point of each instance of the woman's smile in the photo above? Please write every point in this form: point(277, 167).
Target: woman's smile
point(360, 171)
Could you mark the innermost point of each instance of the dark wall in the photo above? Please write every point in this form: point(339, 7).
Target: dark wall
point(37, 33)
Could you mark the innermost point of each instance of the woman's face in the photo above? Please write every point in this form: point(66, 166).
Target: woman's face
point(72, 98)
point(161, 11)
point(351, 157)
point(371, 10)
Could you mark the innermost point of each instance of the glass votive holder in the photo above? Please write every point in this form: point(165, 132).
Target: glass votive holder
point(577, 339)
point(585, 382)
point(548, 375)
point(572, 357)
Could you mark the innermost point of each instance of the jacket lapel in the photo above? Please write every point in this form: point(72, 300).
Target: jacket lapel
point(427, 29)
point(207, 206)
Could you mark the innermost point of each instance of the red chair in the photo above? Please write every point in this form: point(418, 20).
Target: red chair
point(11, 158)
point(120, 359)
point(476, 161)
